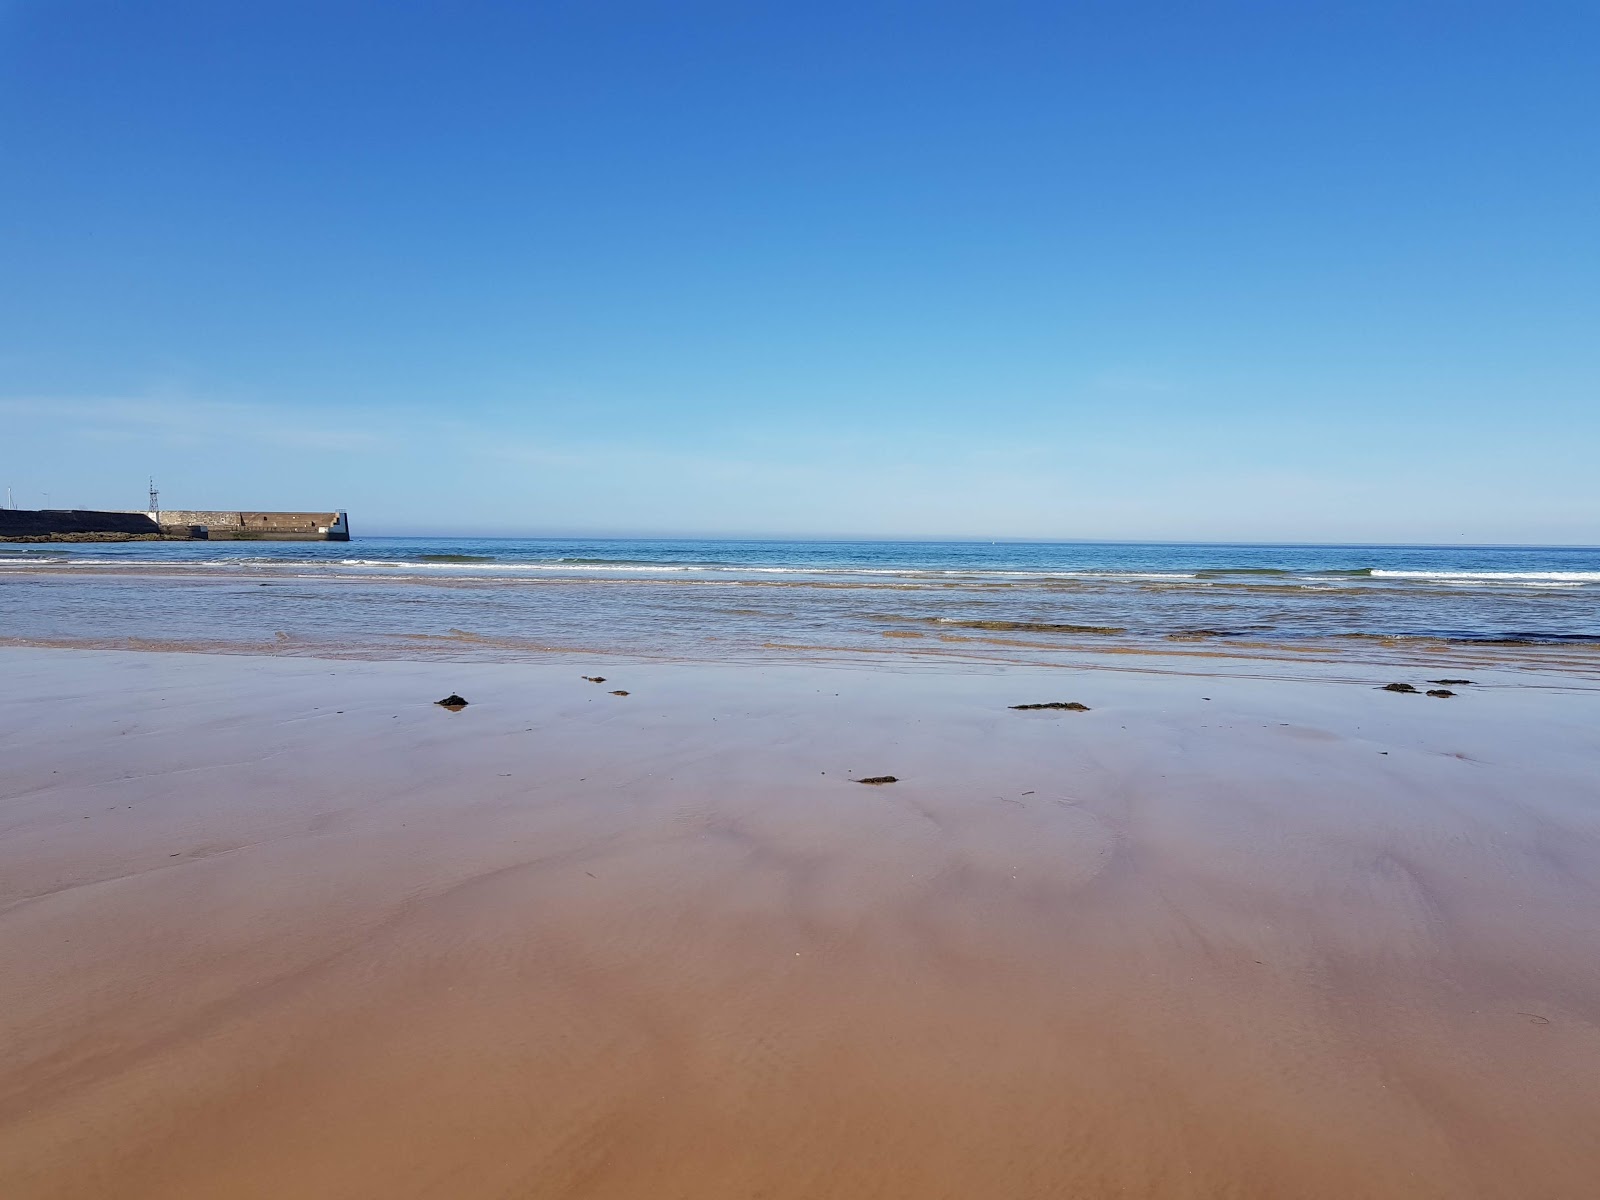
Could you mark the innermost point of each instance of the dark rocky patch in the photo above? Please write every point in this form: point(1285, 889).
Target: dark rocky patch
point(1451, 682)
point(1398, 687)
point(453, 702)
point(1441, 693)
point(98, 537)
point(619, 693)
point(1031, 626)
point(595, 678)
point(876, 779)
point(1067, 705)
point(76, 525)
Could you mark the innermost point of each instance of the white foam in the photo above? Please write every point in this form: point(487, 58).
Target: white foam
point(739, 569)
point(1493, 576)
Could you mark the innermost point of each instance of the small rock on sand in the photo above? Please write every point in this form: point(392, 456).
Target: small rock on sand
point(453, 702)
point(595, 678)
point(1398, 687)
point(1442, 693)
point(619, 693)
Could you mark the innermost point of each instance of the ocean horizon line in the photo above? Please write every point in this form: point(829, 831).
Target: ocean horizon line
point(845, 540)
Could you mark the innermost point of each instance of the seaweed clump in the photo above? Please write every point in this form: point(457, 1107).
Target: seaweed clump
point(1067, 705)
point(1399, 687)
point(1033, 627)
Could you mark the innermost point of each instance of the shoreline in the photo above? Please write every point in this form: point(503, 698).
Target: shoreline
point(1359, 658)
point(283, 926)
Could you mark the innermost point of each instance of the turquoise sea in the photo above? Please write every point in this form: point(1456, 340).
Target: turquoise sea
point(516, 597)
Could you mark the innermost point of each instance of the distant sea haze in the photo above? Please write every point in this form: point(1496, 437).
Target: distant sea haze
point(517, 597)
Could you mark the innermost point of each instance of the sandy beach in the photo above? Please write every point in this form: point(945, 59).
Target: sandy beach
point(283, 927)
point(1025, 581)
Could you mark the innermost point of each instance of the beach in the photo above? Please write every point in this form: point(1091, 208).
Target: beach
point(777, 602)
point(277, 924)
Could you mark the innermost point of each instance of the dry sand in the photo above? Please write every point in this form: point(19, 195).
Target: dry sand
point(282, 928)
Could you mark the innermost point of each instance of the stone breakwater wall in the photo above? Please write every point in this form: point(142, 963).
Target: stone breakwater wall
point(257, 526)
point(85, 525)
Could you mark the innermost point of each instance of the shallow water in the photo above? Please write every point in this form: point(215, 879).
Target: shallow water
point(509, 598)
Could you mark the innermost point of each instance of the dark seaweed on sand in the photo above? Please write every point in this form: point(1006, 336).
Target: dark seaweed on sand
point(1032, 626)
point(1068, 705)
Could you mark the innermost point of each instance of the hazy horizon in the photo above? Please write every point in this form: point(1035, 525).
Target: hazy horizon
point(802, 539)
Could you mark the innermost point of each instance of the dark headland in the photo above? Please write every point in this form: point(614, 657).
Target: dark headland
point(86, 525)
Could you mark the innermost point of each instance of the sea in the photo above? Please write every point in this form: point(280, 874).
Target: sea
point(519, 598)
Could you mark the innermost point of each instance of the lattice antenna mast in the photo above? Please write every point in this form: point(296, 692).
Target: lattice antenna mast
point(154, 497)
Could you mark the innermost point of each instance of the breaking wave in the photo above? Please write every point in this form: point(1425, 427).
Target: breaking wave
point(1491, 576)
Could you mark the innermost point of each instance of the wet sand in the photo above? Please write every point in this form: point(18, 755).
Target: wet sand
point(281, 927)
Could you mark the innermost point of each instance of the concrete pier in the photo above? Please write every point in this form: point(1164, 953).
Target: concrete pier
point(258, 526)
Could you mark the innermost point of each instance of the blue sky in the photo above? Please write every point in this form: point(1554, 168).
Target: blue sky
point(1105, 270)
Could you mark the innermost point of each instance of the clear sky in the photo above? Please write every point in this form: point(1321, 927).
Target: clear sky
point(1275, 271)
